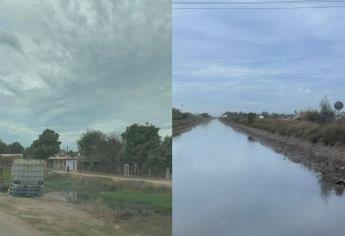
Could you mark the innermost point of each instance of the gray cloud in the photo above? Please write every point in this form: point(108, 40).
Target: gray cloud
point(254, 60)
point(93, 64)
point(9, 39)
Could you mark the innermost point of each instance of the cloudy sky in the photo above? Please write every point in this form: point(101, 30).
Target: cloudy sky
point(255, 60)
point(72, 65)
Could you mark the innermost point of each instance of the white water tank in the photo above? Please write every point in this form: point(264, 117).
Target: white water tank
point(27, 178)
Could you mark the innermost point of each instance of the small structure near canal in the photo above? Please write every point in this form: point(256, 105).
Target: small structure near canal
point(27, 178)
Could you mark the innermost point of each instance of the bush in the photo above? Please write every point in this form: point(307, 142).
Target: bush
point(312, 115)
point(251, 117)
point(329, 133)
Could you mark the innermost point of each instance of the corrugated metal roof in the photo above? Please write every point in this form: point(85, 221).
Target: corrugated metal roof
point(62, 158)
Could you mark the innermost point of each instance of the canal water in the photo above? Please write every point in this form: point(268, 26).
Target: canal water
point(227, 185)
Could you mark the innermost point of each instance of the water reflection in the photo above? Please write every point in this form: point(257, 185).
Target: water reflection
point(226, 184)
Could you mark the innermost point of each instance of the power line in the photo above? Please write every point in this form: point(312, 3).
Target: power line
point(255, 2)
point(255, 8)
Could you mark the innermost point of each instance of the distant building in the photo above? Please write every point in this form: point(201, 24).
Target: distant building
point(62, 163)
point(261, 117)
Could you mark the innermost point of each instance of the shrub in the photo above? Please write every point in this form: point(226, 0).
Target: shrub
point(312, 115)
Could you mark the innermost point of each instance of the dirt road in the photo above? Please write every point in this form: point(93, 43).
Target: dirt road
point(13, 226)
point(157, 182)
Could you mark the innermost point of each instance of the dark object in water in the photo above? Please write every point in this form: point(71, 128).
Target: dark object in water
point(340, 182)
point(250, 138)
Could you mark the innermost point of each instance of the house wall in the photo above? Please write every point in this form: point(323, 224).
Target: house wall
point(59, 164)
point(71, 164)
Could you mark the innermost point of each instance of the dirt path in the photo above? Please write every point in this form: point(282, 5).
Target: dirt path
point(157, 182)
point(13, 226)
point(47, 215)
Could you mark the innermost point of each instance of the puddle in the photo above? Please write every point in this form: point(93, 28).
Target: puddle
point(118, 206)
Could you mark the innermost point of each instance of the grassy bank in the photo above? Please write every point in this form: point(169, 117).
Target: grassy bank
point(330, 134)
point(5, 175)
point(184, 121)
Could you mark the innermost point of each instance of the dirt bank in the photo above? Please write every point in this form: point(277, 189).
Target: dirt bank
point(181, 127)
point(156, 182)
point(90, 204)
point(326, 160)
point(53, 215)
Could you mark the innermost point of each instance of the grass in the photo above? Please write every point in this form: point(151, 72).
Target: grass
point(182, 121)
point(6, 175)
point(159, 201)
point(109, 192)
point(331, 133)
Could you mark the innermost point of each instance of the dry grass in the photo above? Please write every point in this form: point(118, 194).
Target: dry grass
point(331, 133)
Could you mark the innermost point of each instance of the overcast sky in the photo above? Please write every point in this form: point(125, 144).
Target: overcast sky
point(71, 65)
point(255, 60)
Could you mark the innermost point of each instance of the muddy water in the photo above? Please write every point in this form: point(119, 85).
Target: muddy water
point(225, 184)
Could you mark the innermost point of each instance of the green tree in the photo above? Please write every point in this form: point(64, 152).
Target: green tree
point(72, 153)
point(3, 147)
point(251, 116)
point(95, 144)
point(15, 147)
point(326, 109)
point(90, 142)
point(141, 143)
point(166, 151)
point(205, 115)
point(46, 145)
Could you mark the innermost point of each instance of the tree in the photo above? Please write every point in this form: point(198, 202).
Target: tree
point(15, 147)
point(326, 109)
point(3, 147)
point(141, 143)
point(166, 151)
point(46, 145)
point(251, 117)
point(95, 144)
point(205, 115)
point(72, 153)
point(90, 142)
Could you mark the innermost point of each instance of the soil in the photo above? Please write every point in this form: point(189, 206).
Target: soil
point(329, 161)
point(48, 215)
point(182, 127)
point(156, 182)
point(14, 226)
point(53, 214)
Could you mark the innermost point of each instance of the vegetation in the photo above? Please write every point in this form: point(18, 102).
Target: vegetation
point(99, 146)
point(160, 202)
point(108, 192)
point(313, 125)
point(46, 145)
point(139, 144)
point(183, 121)
point(13, 148)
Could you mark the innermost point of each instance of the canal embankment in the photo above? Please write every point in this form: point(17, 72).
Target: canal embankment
point(185, 121)
point(328, 160)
